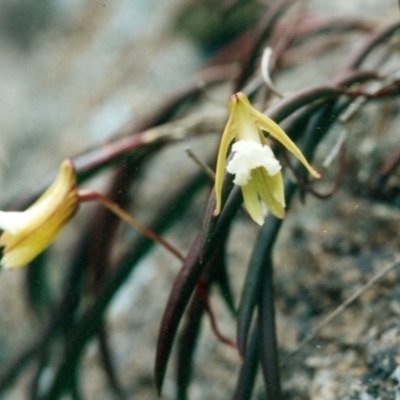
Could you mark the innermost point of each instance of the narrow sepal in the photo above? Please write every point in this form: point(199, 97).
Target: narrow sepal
point(268, 125)
point(269, 188)
point(252, 203)
point(226, 139)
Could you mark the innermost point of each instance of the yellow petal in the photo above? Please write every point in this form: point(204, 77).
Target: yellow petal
point(252, 203)
point(39, 225)
point(245, 125)
point(268, 125)
point(226, 139)
point(278, 188)
point(270, 189)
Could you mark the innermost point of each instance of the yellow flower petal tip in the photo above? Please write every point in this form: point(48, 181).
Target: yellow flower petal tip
point(316, 174)
point(26, 234)
point(253, 163)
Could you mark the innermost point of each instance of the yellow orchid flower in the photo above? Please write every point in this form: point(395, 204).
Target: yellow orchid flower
point(254, 165)
point(28, 233)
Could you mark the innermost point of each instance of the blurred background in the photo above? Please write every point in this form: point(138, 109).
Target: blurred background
point(73, 73)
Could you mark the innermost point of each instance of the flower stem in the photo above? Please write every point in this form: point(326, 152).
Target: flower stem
point(203, 294)
point(88, 195)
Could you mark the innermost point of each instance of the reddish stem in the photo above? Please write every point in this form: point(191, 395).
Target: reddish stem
point(203, 294)
point(88, 195)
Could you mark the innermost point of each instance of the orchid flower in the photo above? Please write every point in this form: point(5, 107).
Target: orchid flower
point(28, 233)
point(253, 163)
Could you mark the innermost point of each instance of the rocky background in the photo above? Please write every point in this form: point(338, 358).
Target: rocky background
point(74, 73)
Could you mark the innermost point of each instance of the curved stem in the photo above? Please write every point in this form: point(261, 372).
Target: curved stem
point(203, 294)
point(89, 195)
point(269, 353)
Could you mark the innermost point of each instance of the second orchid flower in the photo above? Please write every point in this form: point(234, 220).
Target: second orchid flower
point(27, 233)
point(254, 165)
